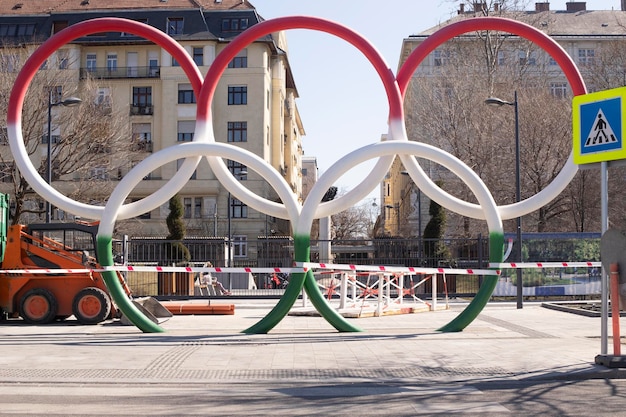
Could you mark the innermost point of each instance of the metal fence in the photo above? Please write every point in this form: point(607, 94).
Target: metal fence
point(278, 252)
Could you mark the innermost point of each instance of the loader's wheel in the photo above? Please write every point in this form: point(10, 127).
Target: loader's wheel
point(38, 306)
point(91, 306)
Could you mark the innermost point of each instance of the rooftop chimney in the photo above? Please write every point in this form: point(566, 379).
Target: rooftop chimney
point(462, 7)
point(543, 7)
point(624, 5)
point(480, 7)
point(576, 6)
point(496, 7)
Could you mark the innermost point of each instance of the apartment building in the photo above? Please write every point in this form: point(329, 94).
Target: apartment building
point(254, 106)
point(591, 37)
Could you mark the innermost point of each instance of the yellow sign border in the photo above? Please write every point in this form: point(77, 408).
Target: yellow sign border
point(601, 156)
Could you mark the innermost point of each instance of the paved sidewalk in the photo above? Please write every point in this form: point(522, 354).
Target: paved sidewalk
point(503, 344)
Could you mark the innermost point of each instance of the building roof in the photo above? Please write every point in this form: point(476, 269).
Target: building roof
point(38, 7)
point(557, 23)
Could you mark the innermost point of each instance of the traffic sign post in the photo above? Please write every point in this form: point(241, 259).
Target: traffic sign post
point(598, 137)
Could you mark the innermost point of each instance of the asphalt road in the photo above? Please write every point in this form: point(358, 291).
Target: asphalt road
point(592, 397)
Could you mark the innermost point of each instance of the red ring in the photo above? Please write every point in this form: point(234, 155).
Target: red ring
point(298, 22)
point(446, 33)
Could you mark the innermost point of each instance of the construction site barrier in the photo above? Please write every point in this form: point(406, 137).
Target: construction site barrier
point(517, 265)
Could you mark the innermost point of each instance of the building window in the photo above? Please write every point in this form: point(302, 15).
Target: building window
point(63, 59)
point(14, 30)
point(441, 58)
point(234, 24)
point(153, 65)
point(501, 58)
point(237, 95)
point(142, 137)
point(586, 56)
point(103, 100)
point(111, 62)
point(197, 208)
point(6, 172)
point(91, 62)
point(9, 63)
point(59, 25)
point(558, 90)
point(192, 207)
point(99, 173)
point(198, 56)
point(55, 139)
point(103, 96)
point(238, 170)
point(238, 210)
point(57, 93)
point(526, 58)
point(175, 25)
point(185, 130)
point(240, 61)
point(237, 131)
point(186, 94)
point(240, 246)
point(142, 96)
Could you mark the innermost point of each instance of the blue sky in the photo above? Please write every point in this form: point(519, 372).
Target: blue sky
point(342, 102)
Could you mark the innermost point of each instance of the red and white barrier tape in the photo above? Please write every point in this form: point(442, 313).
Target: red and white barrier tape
point(47, 271)
point(131, 268)
point(514, 265)
point(305, 266)
point(397, 269)
point(217, 270)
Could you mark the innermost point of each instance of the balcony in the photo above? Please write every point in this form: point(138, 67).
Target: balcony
point(120, 72)
point(141, 110)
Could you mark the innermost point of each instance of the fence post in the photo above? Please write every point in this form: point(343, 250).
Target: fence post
point(617, 349)
point(381, 287)
point(433, 304)
point(343, 295)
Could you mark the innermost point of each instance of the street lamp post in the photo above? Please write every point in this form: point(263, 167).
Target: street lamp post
point(239, 176)
point(518, 189)
point(68, 102)
point(419, 212)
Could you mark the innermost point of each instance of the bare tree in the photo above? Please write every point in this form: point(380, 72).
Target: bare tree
point(90, 143)
point(447, 108)
point(354, 223)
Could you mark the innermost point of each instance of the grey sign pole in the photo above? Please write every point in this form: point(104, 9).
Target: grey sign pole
point(604, 305)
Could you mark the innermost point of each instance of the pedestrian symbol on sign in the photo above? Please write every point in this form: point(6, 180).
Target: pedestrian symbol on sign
point(601, 133)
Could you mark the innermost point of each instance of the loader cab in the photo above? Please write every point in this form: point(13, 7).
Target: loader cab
point(77, 238)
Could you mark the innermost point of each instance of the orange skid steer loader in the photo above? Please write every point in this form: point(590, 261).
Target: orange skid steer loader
point(41, 297)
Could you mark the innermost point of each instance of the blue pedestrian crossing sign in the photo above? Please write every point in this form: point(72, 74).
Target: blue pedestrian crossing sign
point(598, 126)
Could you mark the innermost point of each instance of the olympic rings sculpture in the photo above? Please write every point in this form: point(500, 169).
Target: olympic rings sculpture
point(301, 216)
